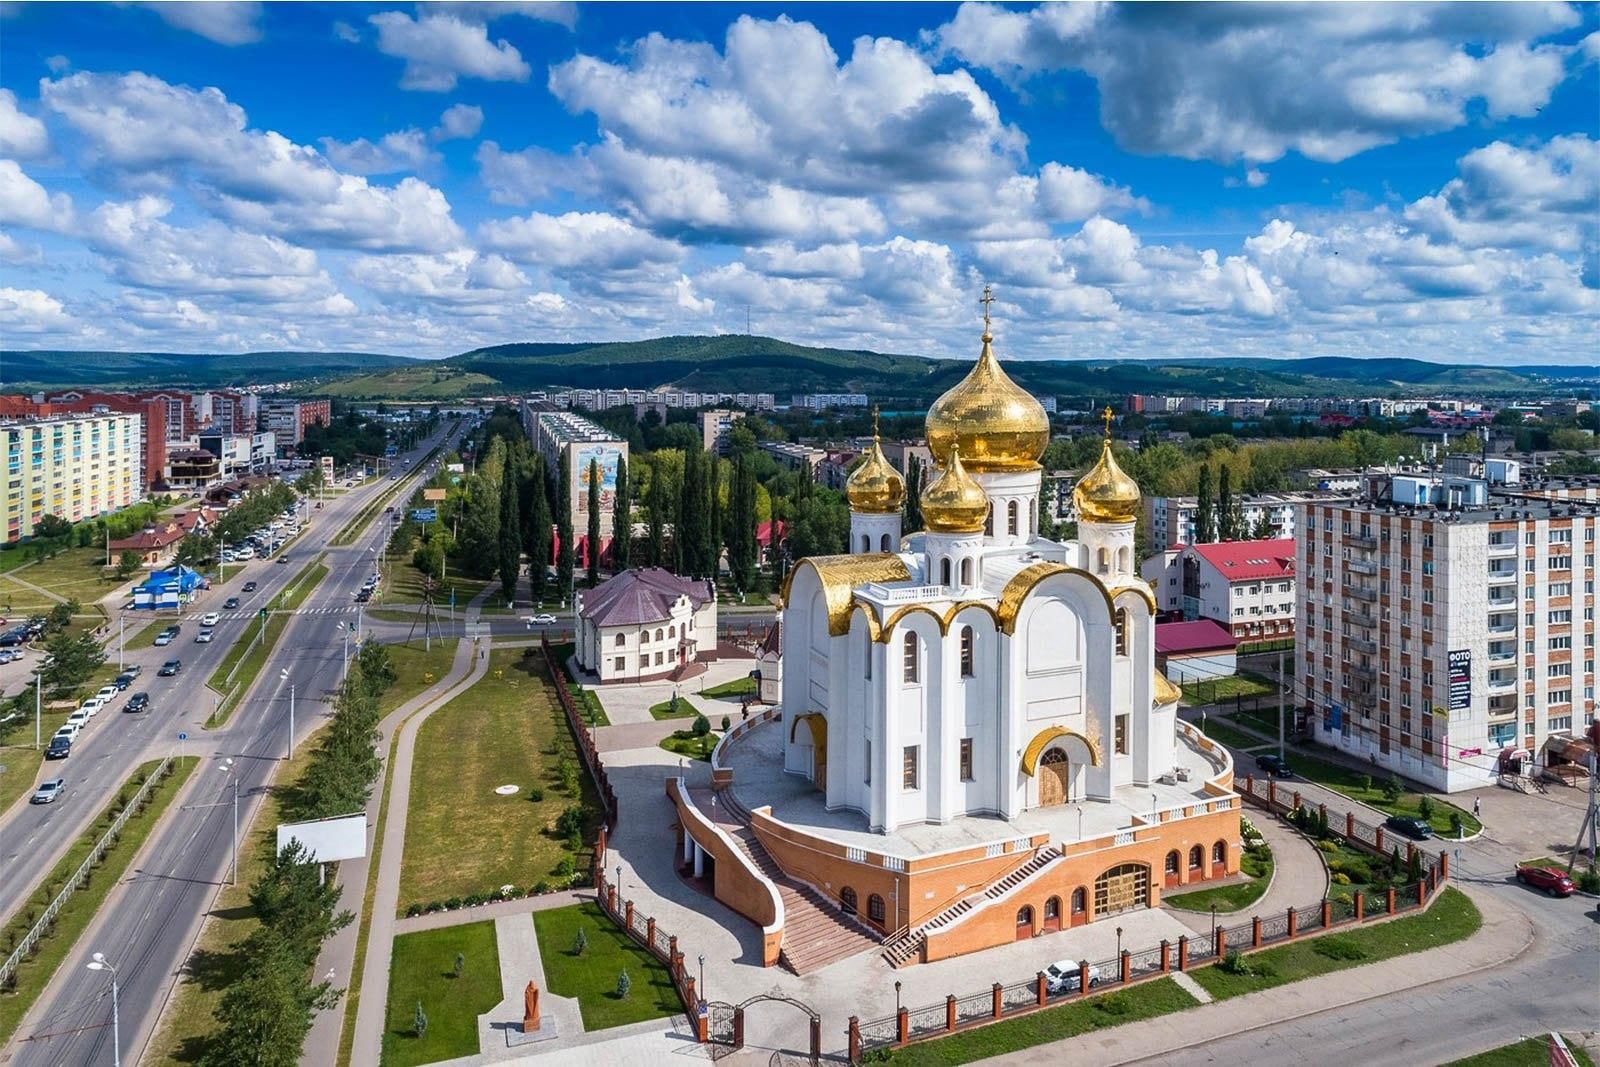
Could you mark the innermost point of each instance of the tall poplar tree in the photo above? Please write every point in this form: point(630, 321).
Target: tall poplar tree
point(689, 531)
point(656, 535)
point(592, 477)
point(510, 554)
point(565, 548)
point(1205, 526)
point(1225, 527)
point(913, 511)
point(712, 550)
point(536, 534)
point(741, 522)
point(622, 520)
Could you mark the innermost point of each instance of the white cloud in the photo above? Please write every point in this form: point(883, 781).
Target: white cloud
point(592, 241)
point(1067, 194)
point(1511, 196)
point(145, 132)
point(21, 135)
point(222, 21)
point(399, 151)
point(346, 32)
point(439, 49)
point(1234, 82)
point(459, 121)
point(559, 12)
point(24, 202)
point(58, 64)
point(32, 311)
point(458, 279)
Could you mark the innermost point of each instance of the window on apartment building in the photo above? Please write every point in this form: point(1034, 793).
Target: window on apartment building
point(1558, 670)
point(910, 668)
point(1120, 735)
point(1527, 646)
point(1530, 565)
point(867, 778)
point(1559, 589)
point(909, 769)
point(1560, 537)
point(1560, 642)
point(619, 641)
point(966, 759)
point(622, 663)
point(1559, 696)
point(1528, 537)
point(1561, 722)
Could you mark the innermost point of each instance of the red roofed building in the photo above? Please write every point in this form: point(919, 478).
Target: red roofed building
point(644, 624)
point(1191, 651)
point(155, 545)
point(1247, 586)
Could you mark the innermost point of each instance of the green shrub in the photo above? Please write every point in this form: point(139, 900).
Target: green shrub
point(580, 942)
point(536, 794)
point(1338, 947)
point(563, 868)
point(702, 725)
point(1328, 846)
point(570, 821)
point(1115, 1004)
point(1234, 963)
point(1392, 788)
point(1425, 806)
point(1340, 878)
point(1589, 880)
point(413, 909)
point(624, 984)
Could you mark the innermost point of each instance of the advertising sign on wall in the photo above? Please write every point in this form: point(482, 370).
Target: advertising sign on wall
point(605, 458)
point(1460, 679)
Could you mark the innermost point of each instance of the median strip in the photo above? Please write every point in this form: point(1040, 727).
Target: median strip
point(363, 518)
point(239, 668)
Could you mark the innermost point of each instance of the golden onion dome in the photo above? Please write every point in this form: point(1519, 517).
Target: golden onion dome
point(1106, 494)
point(875, 487)
point(997, 424)
point(954, 503)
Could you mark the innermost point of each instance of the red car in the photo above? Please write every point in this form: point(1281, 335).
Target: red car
point(1552, 880)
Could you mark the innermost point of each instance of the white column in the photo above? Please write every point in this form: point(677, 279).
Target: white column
point(699, 861)
point(886, 778)
point(688, 846)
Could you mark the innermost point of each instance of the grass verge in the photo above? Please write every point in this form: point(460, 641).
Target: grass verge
point(592, 976)
point(423, 972)
point(251, 655)
point(587, 700)
point(1368, 789)
point(1230, 898)
point(1243, 685)
point(663, 710)
point(1452, 918)
point(506, 729)
point(76, 914)
point(1529, 1052)
point(1159, 997)
point(1228, 735)
point(188, 1022)
point(19, 768)
point(738, 687)
point(685, 743)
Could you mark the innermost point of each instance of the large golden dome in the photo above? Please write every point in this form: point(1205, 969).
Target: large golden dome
point(875, 487)
point(998, 425)
point(954, 503)
point(1106, 494)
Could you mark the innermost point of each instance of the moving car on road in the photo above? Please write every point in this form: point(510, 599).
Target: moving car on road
point(210, 618)
point(49, 792)
point(1552, 880)
point(204, 637)
point(1062, 977)
point(542, 619)
point(231, 603)
point(249, 587)
point(171, 667)
point(1409, 825)
point(137, 703)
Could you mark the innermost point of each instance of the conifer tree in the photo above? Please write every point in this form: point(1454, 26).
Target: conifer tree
point(592, 478)
point(913, 510)
point(565, 551)
point(510, 535)
point(656, 529)
point(622, 520)
point(1205, 530)
point(536, 534)
point(1225, 529)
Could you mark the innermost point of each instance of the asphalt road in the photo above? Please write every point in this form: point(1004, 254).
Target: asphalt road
point(149, 923)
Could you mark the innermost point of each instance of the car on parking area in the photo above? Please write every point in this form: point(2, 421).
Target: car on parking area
point(1063, 977)
point(49, 792)
point(60, 745)
point(133, 670)
point(1274, 766)
point(7, 655)
point(80, 718)
point(91, 706)
point(12, 638)
point(1552, 880)
point(137, 703)
point(363, 595)
point(249, 587)
point(171, 667)
point(107, 693)
point(210, 618)
point(231, 603)
point(1409, 825)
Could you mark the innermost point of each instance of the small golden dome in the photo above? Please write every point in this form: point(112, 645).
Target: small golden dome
point(1165, 691)
point(875, 487)
point(1106, 494)
point(954, 503)
point(998, 425)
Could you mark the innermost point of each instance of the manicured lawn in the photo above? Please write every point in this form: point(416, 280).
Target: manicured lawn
point(140, 636)
point(77, 573)
point(1451, 918)
point(415, 669)
point(76, 914)
point(1101, 1012)
point(1529, 1052)
point(738, 687)
point(663, 710)
point(1368, 789)
point(587, 700)
point(19, 763)
point(403, 584)
point(592, 977)
point(423, 971)
point(1266, 720)
point(1215, 690)
point(188, 1022)
point(1229, 898)
point(463, 838)
point(685, 743)
point(1218, 730)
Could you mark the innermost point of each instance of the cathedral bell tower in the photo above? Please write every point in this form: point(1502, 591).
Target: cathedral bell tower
point(1107, 501)
point(876, 493)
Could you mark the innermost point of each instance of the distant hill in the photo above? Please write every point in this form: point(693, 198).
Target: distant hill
point(53, 368)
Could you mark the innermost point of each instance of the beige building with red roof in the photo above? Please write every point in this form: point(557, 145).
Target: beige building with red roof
point(644, 624)
point(1247, 586)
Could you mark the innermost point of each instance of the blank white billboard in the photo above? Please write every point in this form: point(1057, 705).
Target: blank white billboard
point(343, 837)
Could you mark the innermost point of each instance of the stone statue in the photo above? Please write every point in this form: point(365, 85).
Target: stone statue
point(530, 1008)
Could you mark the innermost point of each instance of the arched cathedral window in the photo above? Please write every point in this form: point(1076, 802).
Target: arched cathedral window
point(1121, 619)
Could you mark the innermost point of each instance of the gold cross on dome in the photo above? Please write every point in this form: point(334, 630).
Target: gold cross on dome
point(986, 299)
point(1106, 415)
point(874, 422)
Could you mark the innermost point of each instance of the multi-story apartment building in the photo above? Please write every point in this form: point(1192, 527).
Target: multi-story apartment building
point(287, 420)
point(834, 470)
point(819, 401)
point(1246, 586)
point(714, 427)
point(794, 455)
point(586, 450)
point(899, 454)
point(72, 466)
point(1171, 518)
point(658, 398)
point(155, 433)
point(1445, 627)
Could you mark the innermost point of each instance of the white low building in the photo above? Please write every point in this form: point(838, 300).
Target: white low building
point(645, 623)
point(1247, 586)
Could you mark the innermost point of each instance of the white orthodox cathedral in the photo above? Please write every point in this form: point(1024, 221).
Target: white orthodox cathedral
point(975, 667)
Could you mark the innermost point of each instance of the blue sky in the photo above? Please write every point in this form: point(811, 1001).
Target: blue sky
point(1159, 181)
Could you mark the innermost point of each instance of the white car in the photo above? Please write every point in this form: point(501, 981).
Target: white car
point(204, 637)
point(245, 553)
point(7, 655)
point(92, 706)
point(1062, 976)
point(78, 720)
point(210, 618)
point(69, 729)
point(107, 694)
point(544, 619)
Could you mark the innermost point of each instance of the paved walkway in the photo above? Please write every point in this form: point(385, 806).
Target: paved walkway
point(500, 1028)
point(1299, 876)
point(1505, 936)
point(439, 920)
point(626, 704)
point(338, 952)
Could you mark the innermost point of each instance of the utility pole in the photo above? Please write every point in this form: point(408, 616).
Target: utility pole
point(38, 704)
point(1282, 681)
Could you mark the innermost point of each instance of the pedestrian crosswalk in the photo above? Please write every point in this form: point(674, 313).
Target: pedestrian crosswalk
point(224, 616)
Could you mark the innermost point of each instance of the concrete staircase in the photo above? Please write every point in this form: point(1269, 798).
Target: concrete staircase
point(815, 932)
point(907, 945)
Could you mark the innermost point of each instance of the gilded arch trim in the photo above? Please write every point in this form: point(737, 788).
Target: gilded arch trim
point(1140, 590)
point(1023, 582)
point(1041, 741)
point(889, 624)
point(817, 724)
point(956, 609)
point(839, 576)
point(883, 632)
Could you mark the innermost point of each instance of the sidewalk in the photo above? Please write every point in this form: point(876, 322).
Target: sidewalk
point(1504, 936)
point(338, 952)
point(1298, 877)
point(439, 920)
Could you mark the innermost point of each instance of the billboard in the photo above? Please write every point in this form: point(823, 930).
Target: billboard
point(605, 458)
point(1460, 679)
point(424, 515)
point(327, 470)
point(343, 837)
point(434, 495)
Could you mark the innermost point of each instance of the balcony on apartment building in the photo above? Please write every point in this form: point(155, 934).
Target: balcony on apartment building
point(1502, 623)
point(1363, 542)
point(1502, 597)
point(1361, 644)
point(1502, 681)
point(1363, 674)
point(1362, 619)
point(1503, 652)
point(1503, 546)
point(1502, 706)
point(1368, 593)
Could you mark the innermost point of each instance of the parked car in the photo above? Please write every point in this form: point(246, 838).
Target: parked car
point(210, 618)
point(1552, 880)
point(363, 595)
point(91, 706)
point(137, 703)
point(12, 638)
point(79, 718)
point(1062, 976)
point(133, 670)
point(124, 680)
point(249, 587)
point(7, 655)
point(60, 746)
point(231, 603)
point(49, 792)
point(69, 730)
point(171, 667)
point(108, 693)
point(1274, 766)
point(1410, 826)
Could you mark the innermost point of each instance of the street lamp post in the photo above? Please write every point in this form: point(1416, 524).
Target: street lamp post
point(121, 620)
point(1119, 944)
point(38, 703)
point(897, 998)
point(99, 963)
point(285, 676)
point(1213, 924)
point(702, 986)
